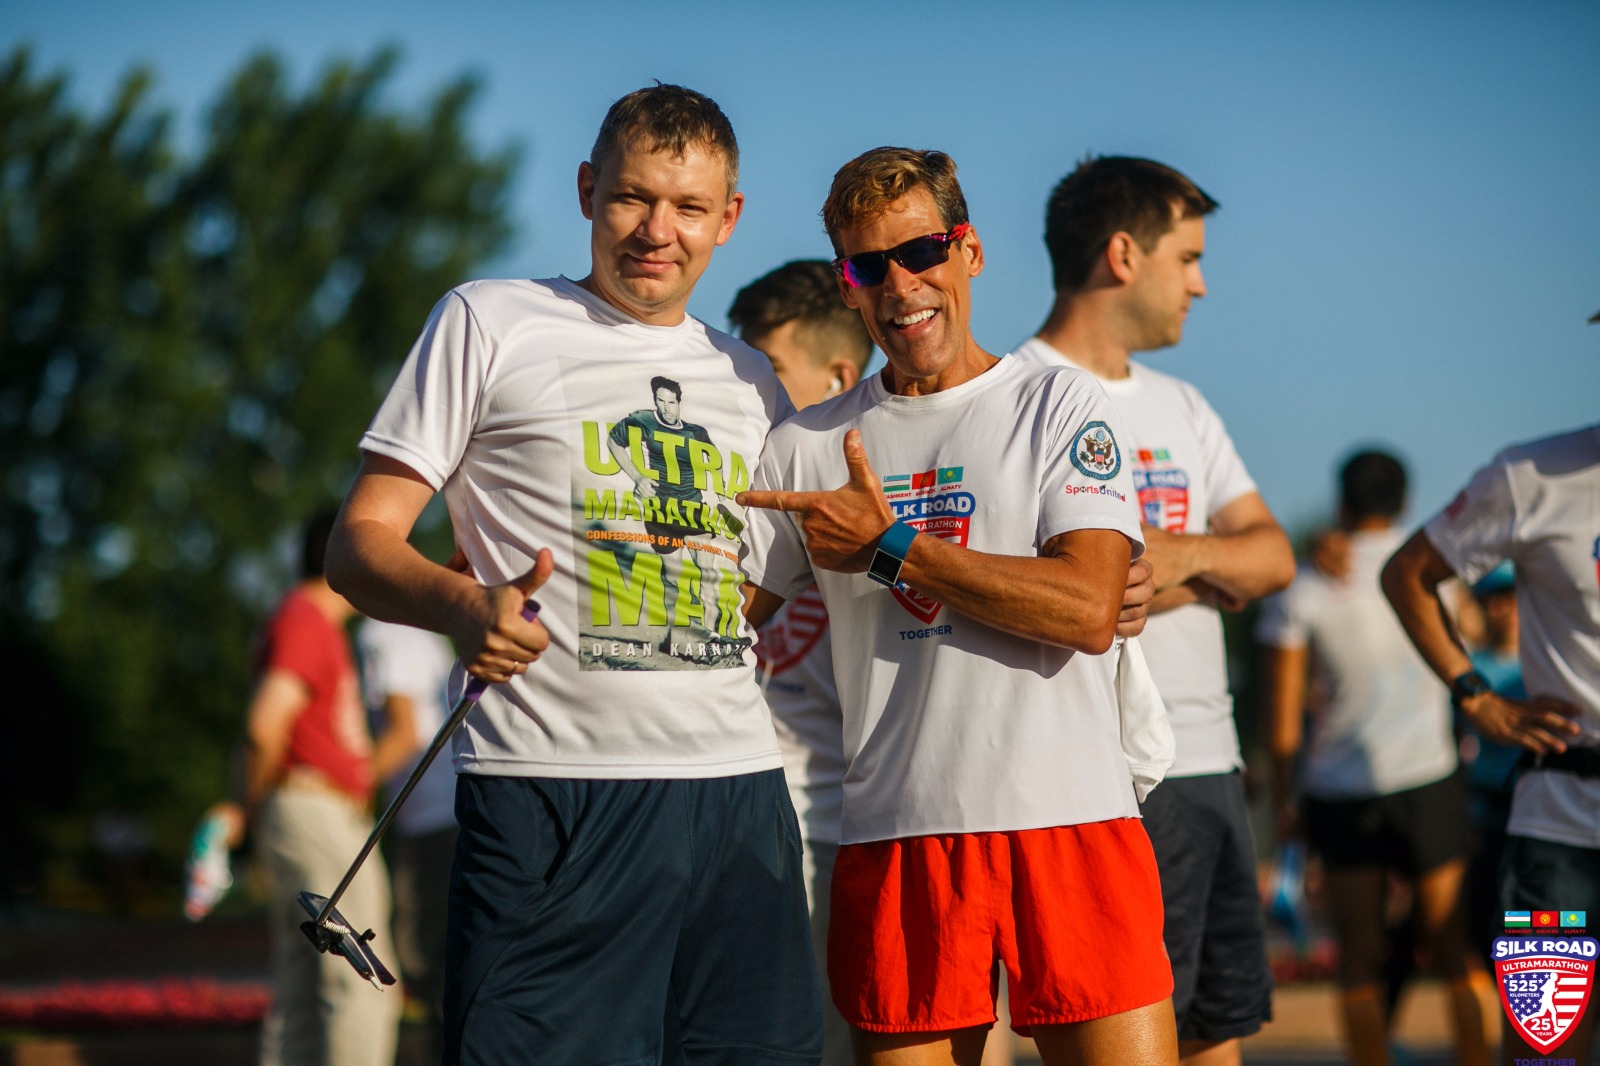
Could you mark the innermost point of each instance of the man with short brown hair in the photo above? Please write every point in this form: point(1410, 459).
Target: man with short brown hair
point(1125, 237)
point(794, 316)
point(627, 885)
point(990, 815)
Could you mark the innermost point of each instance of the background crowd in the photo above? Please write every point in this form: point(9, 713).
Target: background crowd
point(197, 325)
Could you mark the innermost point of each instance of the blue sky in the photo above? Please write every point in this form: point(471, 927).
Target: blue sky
point(1408, 247)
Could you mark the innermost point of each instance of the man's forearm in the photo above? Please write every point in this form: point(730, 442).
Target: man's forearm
point(384, 577)
point(1195, 590)
point(1411, 582)
point(1246, 564)
point(371, 563)
point(1285, 684)
point(1068, 600)
point(263, 771)
point(398, 741)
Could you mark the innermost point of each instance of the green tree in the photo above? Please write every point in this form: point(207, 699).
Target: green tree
point(191, 350)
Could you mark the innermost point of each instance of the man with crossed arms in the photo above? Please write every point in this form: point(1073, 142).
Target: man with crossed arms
point(1125, 237)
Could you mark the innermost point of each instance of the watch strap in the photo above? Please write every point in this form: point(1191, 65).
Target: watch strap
point(1466, 686)
point(890, 555)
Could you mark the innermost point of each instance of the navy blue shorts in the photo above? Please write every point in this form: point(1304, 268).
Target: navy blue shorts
point(1215, 935)
point(629, 922)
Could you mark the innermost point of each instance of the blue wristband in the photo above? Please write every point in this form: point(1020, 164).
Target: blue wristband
point(890, 556)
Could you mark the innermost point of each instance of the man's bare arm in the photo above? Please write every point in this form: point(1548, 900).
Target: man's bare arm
point(1286, 701)
point(1070, 595)
point(279, 698)
point(1244, 557)
point(759, 604)
point(398, 742)
point(371, 563)
point(1411, 581)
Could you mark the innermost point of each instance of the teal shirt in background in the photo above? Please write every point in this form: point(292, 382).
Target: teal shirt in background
point(1490, 773)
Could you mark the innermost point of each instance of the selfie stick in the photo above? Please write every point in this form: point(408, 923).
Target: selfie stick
point(329, 931)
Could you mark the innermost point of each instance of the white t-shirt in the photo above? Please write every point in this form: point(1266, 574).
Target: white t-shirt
point(510, 403)
point(403, 661)
point(1185, 469)
point(951, 726)
point(1383, 722)
point(1538, 505)
point(795, 663)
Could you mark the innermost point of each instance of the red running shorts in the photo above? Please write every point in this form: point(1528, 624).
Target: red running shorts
point(1073, 913)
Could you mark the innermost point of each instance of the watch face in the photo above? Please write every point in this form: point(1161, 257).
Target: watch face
point(885, 568)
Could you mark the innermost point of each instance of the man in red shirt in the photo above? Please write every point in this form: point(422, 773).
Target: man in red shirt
point(310, 766)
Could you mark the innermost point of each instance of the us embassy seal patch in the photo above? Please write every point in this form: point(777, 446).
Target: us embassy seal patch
point(1095, 452)
point(1544, 985)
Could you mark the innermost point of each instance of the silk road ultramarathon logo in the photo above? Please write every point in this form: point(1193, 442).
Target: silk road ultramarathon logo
point(1544, 984)
point(931, 502)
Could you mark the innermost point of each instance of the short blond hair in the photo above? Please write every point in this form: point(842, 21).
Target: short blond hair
point(864, 188)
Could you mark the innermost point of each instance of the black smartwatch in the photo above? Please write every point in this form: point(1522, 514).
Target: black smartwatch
point(890, 556)
point(1466, 686)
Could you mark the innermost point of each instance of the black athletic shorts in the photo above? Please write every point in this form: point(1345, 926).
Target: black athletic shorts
point(1540, 875)
point(629, 922)
point(1222, 984)
point(1413, 831)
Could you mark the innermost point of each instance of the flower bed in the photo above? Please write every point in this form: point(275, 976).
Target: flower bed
point(170, 1003)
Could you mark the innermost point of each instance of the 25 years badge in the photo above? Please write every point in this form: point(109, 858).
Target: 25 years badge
point(1544, 984)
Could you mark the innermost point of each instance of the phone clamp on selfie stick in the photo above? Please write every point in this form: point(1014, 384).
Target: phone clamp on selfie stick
point(331, 932)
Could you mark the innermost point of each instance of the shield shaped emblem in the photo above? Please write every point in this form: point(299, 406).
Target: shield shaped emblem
point(1544, 985)
point(792, 633)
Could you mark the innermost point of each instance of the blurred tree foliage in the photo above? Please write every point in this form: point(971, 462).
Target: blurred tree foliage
point(191, 346)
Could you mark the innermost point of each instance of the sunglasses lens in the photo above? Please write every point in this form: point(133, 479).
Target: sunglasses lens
point(922, 254)
point(868, 268)
point(918, 254)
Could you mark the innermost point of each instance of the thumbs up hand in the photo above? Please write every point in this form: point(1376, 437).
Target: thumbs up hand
point(841, 526)
point(493, 638)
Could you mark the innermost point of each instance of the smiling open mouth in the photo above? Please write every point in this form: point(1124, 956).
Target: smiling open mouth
point(913, 319)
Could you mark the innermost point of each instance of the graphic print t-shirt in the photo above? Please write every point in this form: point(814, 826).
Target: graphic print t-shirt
point(509, 403)
point(330, 735)
point(1538, 505)
point(951, 726)
point(1185, 469)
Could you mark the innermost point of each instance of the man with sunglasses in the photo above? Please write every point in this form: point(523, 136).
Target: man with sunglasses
point(628, 884)
point(1125, 238)
point(972, 587)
